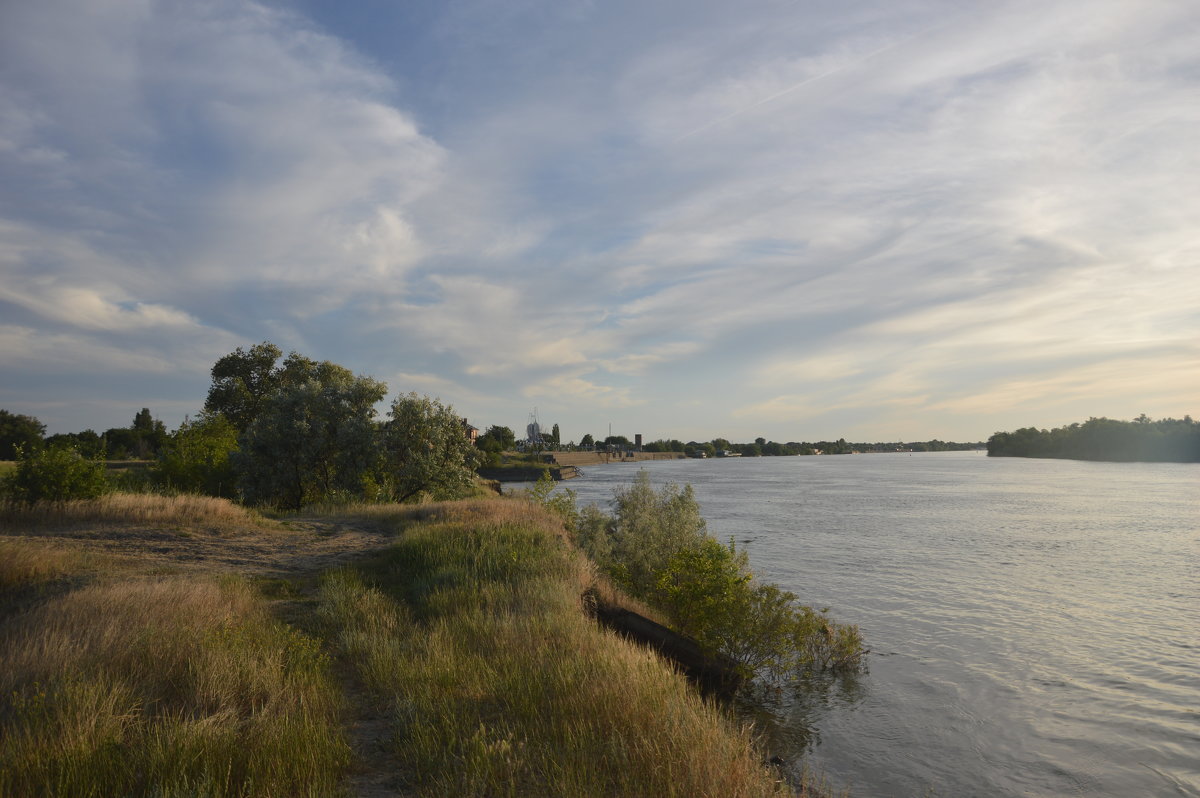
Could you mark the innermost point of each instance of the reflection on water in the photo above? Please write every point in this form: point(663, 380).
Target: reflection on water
point(787, 717)
point(1033, 622)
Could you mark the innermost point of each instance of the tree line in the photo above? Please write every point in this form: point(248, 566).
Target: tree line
point(141, 440)
point(276, 433)
point(1141, 440)
point(761, 447)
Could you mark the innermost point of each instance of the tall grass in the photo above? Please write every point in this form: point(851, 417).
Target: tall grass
point(133, 509)
point(167, 687)
point(470, 629)
point(24, 563)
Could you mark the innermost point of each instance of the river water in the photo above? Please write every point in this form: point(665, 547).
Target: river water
point(1034, 624)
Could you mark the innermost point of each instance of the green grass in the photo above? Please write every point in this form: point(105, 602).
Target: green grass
point(467, 634)
point(181, 686)
point(471, 632)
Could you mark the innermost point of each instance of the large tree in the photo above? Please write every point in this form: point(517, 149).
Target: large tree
point(312, 442)
point(427, 450)
point(242, 382)
point(19, 432)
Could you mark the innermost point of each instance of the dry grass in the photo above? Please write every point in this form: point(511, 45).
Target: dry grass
point(468, 632)
point(134, 509)
point(500, 685)
point(24, 562)
point(179, 686)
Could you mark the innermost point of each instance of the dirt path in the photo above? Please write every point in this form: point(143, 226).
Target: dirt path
point(294, 547)
point(296, 550)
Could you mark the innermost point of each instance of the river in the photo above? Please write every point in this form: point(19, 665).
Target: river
point(1034, 624)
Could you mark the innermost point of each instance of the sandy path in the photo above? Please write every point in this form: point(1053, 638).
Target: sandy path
point(293, 547)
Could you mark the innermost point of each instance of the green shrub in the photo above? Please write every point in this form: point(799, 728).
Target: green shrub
point(197, 458)
point(56, 474)
point(656, 547)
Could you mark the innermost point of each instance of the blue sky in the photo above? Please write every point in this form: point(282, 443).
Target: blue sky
point(795, 220)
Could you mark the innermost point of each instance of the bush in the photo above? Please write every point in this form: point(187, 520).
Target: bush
point(657, 548)
point(56, 474)
point(198, 458)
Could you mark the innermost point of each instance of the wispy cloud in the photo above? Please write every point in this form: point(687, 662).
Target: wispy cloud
point(918, 216)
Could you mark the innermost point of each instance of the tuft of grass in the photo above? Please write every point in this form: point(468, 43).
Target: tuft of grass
point(134, 509)
point(470, 629)
point(178, 686)
point(24, 563)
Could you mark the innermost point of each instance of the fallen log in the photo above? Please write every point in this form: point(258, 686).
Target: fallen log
point(714, 674)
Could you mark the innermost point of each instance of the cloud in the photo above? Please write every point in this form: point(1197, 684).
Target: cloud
point(33, 350)
point(860, 211)
point(567, 389)
point(215, 143)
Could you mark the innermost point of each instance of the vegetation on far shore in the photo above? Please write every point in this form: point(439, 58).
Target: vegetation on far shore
point(1141, 440)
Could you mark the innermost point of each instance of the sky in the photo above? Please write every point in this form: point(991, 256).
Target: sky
point(881, 220)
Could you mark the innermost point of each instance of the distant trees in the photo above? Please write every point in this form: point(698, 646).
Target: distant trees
point(587, 440)
point(1143, 439)
point(88, 443)
point(19, 432)
point(495, 441)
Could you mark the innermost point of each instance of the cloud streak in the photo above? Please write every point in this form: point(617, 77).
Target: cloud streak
point(781, 220)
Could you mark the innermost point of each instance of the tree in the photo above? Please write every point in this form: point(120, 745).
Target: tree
point(620, 441)
point(198, 457)
point(19, 432)
point(554, 434)
point(88, 443)
point(587, 440)
point(149, 435)
point(497, 439)
point(242, 381)
point(425, 450)
point(494, 442)
point(312, 442)
point(651, 526)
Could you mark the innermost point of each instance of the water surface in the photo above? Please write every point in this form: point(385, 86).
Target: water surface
point(1034, 624)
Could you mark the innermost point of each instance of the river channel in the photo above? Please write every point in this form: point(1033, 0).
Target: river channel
point(1034, 624)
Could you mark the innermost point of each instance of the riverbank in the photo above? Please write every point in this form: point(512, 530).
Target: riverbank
point(530, 473)
point(154, 645)
point(602, 458)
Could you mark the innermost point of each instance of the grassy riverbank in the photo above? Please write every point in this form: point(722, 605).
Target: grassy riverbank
point(446, 654)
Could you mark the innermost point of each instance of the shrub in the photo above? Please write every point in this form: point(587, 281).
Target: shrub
point(198, 456)
point(56, 474)
point(657, 547)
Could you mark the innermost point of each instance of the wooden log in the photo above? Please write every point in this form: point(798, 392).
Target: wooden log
point(715, 674)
